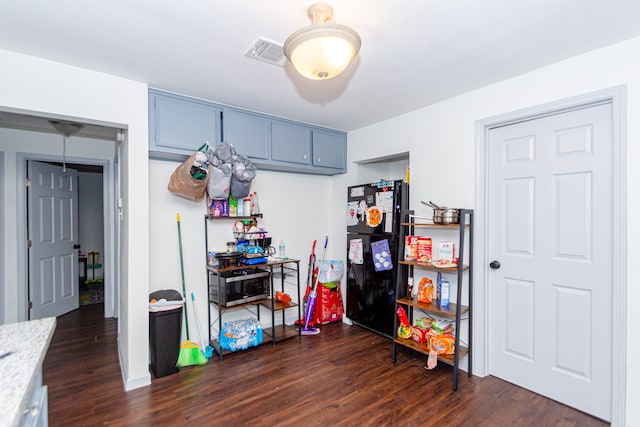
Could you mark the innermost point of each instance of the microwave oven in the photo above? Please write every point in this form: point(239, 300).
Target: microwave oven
point(239, 286)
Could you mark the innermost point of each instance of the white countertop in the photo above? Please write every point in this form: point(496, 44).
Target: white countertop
point(28, 342)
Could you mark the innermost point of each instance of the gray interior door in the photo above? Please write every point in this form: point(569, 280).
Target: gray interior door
point(52, 203)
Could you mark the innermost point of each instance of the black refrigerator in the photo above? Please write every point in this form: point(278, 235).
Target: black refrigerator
point(374, 214)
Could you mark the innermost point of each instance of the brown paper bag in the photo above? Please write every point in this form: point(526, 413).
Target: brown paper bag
point(183, 184)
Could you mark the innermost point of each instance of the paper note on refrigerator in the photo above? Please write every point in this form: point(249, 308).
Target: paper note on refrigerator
point(352, 213)
point(355, 251)
point(384, 201)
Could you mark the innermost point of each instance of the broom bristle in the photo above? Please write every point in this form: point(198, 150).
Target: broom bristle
point(190, 355)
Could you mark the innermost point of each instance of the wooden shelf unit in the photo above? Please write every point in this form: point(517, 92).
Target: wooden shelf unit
point(453, 310)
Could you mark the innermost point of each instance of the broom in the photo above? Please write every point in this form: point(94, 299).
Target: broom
point(189, 354)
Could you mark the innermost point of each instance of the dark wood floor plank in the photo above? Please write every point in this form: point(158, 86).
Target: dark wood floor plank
point(341, 377)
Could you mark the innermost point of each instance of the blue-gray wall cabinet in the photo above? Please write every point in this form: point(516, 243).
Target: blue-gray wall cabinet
point(329, 149)
point(180, 125)
point(290, 142)
point(248, 133)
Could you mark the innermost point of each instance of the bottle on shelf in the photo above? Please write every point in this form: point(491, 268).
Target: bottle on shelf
point(233, 206)
point(246, 206)
point(255, 205)
point(281, 249)
point(239, 207)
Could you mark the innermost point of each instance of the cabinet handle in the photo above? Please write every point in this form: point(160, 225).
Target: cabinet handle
point(304, 157)
point(318, 159)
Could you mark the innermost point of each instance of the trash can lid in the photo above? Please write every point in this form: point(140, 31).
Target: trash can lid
point(169, 295)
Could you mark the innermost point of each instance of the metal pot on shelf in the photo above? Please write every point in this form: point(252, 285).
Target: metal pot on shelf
point(443, 215)
point(228, 259)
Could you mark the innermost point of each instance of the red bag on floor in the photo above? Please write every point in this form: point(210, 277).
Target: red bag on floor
point(329, 306)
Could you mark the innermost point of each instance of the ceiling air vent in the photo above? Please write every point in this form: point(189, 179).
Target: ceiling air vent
point(267, 51)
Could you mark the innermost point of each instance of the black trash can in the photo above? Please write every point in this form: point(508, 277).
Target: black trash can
point(165, 329)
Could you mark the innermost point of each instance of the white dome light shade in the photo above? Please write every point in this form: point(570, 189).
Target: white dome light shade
point(322, 50)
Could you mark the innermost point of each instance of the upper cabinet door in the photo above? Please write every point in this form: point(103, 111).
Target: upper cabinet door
point(248, 133)
point(290, 142)
point(181, 126)
point(329, 149)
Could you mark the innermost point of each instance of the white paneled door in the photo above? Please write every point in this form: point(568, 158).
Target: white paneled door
point(550, 243)
point(53, 231)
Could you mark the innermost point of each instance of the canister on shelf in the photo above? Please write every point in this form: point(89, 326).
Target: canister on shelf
point(239, 207)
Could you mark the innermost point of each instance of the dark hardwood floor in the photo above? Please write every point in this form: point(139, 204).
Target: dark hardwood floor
point(341, 377)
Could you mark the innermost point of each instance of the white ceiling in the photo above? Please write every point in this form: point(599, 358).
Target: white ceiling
point(414, 52)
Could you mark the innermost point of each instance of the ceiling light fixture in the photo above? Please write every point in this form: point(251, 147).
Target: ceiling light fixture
point(66, 129)
point(323, 49)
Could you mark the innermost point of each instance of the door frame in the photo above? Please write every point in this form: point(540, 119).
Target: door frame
point(108, 228)
point(2, 239)
point(617, 97)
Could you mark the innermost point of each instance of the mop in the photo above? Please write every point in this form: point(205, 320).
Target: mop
point(311, 301)
point(189, 354)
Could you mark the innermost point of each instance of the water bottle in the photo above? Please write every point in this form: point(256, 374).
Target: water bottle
point(255, 204)
point(281, 250)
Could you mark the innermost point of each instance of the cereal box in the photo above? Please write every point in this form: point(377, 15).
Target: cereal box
point(424, 250)
point(410, 248)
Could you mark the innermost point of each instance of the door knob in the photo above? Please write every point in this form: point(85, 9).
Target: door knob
point(495, 265)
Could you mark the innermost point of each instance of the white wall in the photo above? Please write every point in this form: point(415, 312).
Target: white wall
point(40, 87)
point(441, 139)
point(296, 209)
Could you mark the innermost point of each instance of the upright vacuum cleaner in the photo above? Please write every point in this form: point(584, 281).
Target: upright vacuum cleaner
point(310, 277)
point(311, 301)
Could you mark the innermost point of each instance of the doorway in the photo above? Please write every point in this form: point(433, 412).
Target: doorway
point(31, 138)
point(104, 237)
point(542, 212)
point(86, 229)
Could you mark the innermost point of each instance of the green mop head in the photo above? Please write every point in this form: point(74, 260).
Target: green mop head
point(190, 355)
